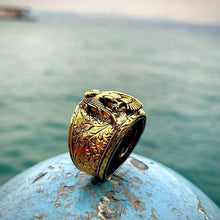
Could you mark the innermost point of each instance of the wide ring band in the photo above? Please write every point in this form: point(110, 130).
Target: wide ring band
point(103, 131)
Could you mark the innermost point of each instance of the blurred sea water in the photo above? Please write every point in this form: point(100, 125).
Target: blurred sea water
point(47, 65)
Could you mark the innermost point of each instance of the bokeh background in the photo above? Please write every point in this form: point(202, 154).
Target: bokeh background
point(168, 56)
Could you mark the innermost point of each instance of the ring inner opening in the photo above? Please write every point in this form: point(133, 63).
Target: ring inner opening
point(125, 147)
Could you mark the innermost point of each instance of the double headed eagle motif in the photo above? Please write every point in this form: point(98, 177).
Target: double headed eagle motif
point(109, 103)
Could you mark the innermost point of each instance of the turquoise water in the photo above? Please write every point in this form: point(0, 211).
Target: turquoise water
point(47, 65)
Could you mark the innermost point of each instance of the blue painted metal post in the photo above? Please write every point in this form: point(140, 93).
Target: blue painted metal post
point(140, 189)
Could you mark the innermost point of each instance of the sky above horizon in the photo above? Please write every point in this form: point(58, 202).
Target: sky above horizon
point(192, 11)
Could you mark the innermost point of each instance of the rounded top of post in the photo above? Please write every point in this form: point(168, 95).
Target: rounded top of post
point(140, 189)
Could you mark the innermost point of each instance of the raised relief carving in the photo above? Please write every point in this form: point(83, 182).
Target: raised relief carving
point(90, 136)
point(98, 116)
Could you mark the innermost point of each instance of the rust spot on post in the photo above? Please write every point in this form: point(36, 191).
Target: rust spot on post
point(149, 194)
point(57, 205)
point(202, 210)
point(137, 164)
point(176, 211)
point(68, 205)
point(40, 217)
point(104, 210)
point(153, 214)
point(39, 176)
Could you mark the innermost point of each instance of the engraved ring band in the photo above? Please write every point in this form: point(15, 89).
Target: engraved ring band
point(103, 131)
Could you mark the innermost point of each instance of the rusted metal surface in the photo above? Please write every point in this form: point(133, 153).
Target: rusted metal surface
point(140, 189)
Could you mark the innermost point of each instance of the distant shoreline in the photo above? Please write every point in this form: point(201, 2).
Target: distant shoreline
point(117, 17)
point(17, 13)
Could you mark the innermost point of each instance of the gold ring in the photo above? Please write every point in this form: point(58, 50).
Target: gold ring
point(103, 131)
